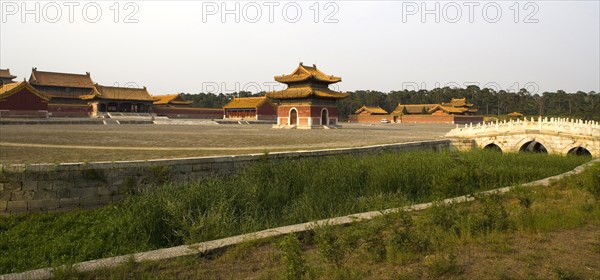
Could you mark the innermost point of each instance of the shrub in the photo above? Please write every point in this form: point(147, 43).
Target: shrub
point(292, 259)
point(492, 217)
point(594, 183)
point(331, 246)
point(373, 241)
point(405, 238)
point(445, 216)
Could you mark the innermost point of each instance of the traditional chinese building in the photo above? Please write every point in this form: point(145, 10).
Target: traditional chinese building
point(370, 114)
point(64, 90)
point(457, 111)
point(106, 99)
point(307, 102)
point(6, 77)
point(175, 106)
point(515, 115)
point(171, 100)
point(456, 106)
point(22, 100)
point(413, 109)
point(254, 108)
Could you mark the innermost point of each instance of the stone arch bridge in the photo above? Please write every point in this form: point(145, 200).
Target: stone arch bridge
point(550, 135)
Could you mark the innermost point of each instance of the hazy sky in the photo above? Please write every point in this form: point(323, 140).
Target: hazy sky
point(194, 46)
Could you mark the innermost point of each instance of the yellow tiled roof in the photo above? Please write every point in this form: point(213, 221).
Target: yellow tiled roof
point(372, 109)
point(5, 73)
point(7, 90)
point(119, 93)
point(412, 108)
point(303, 73)
point(43, 78)
point(448, 109)
point(515, 115)
point(246, 102)
point(170, 98)
point(307, 91)
point(458, 102)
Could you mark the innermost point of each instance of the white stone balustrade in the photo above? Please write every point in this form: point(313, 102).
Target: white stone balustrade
point(557, 135)
point(549, 125)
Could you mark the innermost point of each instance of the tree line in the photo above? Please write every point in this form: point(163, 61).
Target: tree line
point(489, 102)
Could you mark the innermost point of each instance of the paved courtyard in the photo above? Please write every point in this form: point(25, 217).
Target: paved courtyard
point(90, 143)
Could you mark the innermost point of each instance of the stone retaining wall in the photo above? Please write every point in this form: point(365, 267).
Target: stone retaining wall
point(60, 187)
point(463, 145)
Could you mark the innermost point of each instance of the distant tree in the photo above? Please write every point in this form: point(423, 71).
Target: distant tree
point(559, 103)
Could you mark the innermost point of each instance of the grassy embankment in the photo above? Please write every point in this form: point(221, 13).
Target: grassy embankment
point(265, 195)
point(529, 233)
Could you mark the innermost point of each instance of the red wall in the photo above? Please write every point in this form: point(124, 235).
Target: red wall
point(425, 119)
point(235, 114)
point(468, 119)
point(306, 111)
point(369, 118)
point(267, 112)
point(195, 113)
point(452, 119)
point(23, 100)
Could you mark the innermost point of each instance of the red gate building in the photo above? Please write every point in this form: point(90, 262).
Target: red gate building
point(307, 102)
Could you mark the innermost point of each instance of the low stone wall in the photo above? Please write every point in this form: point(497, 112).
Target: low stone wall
point(45, 121)
point(23, 113)
point(66, 186)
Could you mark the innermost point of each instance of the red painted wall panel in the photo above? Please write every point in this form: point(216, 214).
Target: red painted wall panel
point(369, 118)
point(200, 113)
point(23, 100)
point(267, 112)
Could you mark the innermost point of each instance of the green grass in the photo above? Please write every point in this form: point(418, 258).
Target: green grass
point(265, 195)
point(489, 238)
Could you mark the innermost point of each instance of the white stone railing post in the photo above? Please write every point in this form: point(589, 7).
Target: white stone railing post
point(542, 124)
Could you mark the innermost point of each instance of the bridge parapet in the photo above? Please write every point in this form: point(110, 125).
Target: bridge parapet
point(552, 135)
point(541, 125)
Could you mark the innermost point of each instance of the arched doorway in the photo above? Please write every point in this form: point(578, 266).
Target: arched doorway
point(579, 151)
point(102, 107)
point(324, 117)
point(492, 147)
point(533, 147)
point(293, 119)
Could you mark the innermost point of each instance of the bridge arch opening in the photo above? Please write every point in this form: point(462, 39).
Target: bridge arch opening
point(533, 147)
point(492, 147)
point(580, 151)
